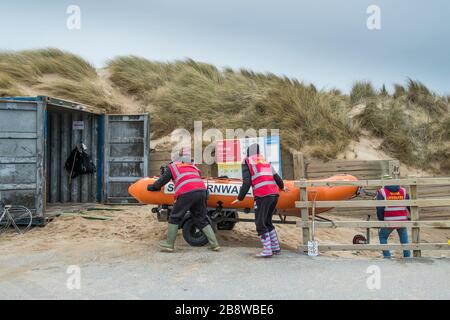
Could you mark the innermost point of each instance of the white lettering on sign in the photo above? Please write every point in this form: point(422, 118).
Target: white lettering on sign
point(78, 125)
point(216, 189)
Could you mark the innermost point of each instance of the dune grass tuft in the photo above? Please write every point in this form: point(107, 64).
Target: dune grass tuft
point(72, 77)
point(361, 91)
point(27, 66)
point(418, 139)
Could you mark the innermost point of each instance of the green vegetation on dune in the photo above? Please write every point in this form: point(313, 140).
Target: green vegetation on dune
point(29, 65)
point(184, 91)
point(361, 91)
point(72, 76)
point(413, 122)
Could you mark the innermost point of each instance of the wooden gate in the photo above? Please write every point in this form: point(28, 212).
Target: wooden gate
point(415, 203)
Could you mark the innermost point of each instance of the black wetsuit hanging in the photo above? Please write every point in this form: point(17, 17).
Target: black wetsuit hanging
point(79, 162)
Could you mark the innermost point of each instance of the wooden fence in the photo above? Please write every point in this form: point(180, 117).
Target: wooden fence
point(295, 166)
point(415, 203)
point(307, 168)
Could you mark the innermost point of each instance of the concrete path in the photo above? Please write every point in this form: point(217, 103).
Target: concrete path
point(195, 273)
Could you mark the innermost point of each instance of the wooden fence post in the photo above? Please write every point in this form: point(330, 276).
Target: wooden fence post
point(415, 217)
point(394, 168)
point(305, 217)
point(299, 166)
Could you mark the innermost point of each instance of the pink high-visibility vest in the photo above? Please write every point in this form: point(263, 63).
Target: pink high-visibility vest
point(186, 178)
point(394, 213)
point(263, 183)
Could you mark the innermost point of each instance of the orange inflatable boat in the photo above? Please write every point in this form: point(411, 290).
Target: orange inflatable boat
point(223, 191)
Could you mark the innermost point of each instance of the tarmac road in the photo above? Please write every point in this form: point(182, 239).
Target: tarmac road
point(196, 273)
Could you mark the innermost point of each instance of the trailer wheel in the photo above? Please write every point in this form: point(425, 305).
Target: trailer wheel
point(228, 225)
point(193, 235)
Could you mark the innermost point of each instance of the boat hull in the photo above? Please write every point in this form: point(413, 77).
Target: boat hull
point(223, 191)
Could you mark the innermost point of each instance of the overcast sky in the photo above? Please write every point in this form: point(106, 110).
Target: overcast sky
point(325, 42)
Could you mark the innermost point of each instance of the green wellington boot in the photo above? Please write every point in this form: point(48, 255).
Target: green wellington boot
point(209, 233)
point(168, 245)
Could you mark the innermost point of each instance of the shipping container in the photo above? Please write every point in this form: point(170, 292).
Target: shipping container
point(37, 135)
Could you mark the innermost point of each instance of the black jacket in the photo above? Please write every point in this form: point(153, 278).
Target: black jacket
point(247, 181)
point(165, 177)
point(162, 180)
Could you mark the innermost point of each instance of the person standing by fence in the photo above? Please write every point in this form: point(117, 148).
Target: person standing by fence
point(393, 213)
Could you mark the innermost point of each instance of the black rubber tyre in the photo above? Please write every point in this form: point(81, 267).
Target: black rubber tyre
point(227, 225)
point(193, 235)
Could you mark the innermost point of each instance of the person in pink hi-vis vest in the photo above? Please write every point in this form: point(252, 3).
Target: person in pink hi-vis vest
point(190, 195)
point(393, 213)
point(266, 183)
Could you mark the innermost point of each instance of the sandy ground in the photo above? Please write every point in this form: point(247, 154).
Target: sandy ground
point(119, 259)
point(136, 225)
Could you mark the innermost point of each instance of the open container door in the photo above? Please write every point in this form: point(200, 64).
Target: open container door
point(126, 155)
point(22, 154)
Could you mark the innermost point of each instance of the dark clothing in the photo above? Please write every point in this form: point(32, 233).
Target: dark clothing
point(162, 180)
point(264, 210)
point(78, 163)
point(380, 210)
point(247, 181)
point(264, 206)
point(195, 202)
